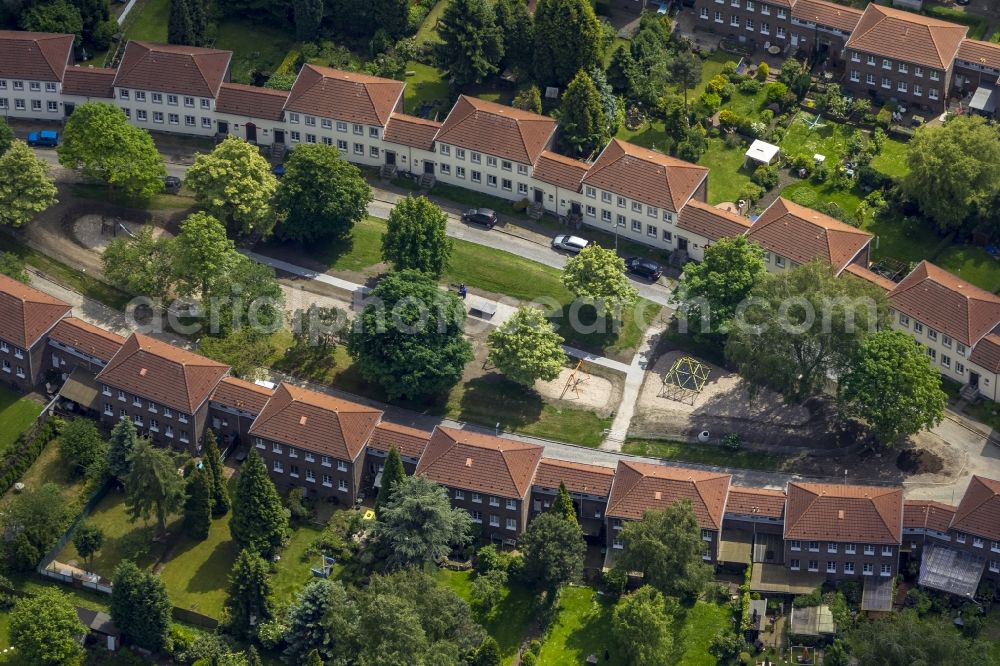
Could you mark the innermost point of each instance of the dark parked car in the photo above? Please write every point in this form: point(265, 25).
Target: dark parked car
point(646, 268)
point(171, 184)
point(483, 216)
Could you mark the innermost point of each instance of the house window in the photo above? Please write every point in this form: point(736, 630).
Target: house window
point(885, 570)
point(491, 180)
point(918, 71)
point(359, 149)
point(136, 401)
point(636, 207)
point(779, 260)
point(157, 98)
point(780, 31)
point(886, 63)
point(108, 409)
point(122, 94)
point(206, 104)
point(749, 24)
point(341, 466)
point(491, 161)
point(706, 535)
point(342, 145)
point(814, 546)
point(606, 197)
point(259, 443)
point(886, 551)
point(460, 494)
point(848, 567)
point(932, 353)
point(621, 220)
point(637, 226)
point(934, 75)
point(794, 544)
point(855, 56)
point(293, 452)
point(373, 151)
point(886, 82)
point(157, 116)
point(621, 202)
point(168, 413)
point(869, 549)
point(931, 334)
point(506, 165)
point(522, 169)
point(494, 501)
point(310, 476)
point(36, 105)
point(870, 79)
point(446, 169)
point(903, 68)
point(278, 466)
point(977, 542)
point(460, 171)
point(494, 521)
point(169, 432)
point(868, 569)
point(310, 138)
point(960, 368)
point(293, 471)
point(667, 236)
point(617, 543)
point(309, 457)
point(52, 107)
point(831, 567)
point(172, 100)
point(932, 93)
point(512, 523)
point(206, 122)
point(918, 327)
point(50, 87)
point(358, 129)
point(328, 481)
point(793, 564)
point(477, 517)
point(341, 126)
point(342, 485)
point(477, 498)
point(901, 86)
point(995, 566)
point(506, 185)
point(606, 215)
point(275, 447)
point(946, 340)
point(960, 348)
point(189, 121)
point(325, 461)
point(831, 547)
point(512, 504)
point(460, 153)
point(945, 361)
point(903, 320)
point(326, 123)
point(476, 176)
point(522, 188)
point(651, 230)
point(189, 102)
point(445, 149)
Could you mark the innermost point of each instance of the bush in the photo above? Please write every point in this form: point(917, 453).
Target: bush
point(884, 117)
point(728, 91)
point(763, 70)
point(24, 452)
point(776, 93)
point(710, 103)
point(529, 659)
point(729, 68)
point(615, 580)
point(766, 177)
point(733, 141)
point(802, 161)
point(820, 173)
point(271, 634)
point(750, 86)
point(717, 83)
point(751, 192)
point(731, 440)
point(814, 598)
point(766, 116)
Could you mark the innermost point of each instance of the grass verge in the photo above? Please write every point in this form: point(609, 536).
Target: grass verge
point(160, 201)
point(705, 454)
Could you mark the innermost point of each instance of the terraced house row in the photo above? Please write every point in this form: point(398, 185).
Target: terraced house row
point(880, 52)
point(794, 538)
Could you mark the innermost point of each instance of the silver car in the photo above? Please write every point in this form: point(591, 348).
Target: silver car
point(569, 243)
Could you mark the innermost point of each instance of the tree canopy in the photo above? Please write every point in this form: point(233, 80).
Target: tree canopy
point(526, 347)
point(640, 624)
point(558, 24)
point(562, 505)
point(81, 446)
point(321, 196)
point(712, 290)
point(26, 189)
point(88, 539)
point(45, 629)
point(583, 125)
point(234, 182)
point(219, 489)
point(417, 524)
point(38, 517)
point(259, 521)
point(123, 441)
point(472, 45)
point(666, 546)
point(903, 639)
point(517, 28)
point(420, 349)
point(392, 473)
point(249, 602)
point(141, 264)
point(140, 607)
point(954, 169)
point(99, 142)
point(803, 325)
point(891, 384)
point(152, 485)
point(553, 550)
point(198, 504)
point(599, 274)
point(416, 237)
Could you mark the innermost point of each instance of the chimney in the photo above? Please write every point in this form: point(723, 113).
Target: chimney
point(658, 495)
point(840, 514)
point(468, 462)
point(142, 373)
point(302, 420)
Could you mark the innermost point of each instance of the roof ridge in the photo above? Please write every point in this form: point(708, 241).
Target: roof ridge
point(788, 498)
point(627, 491)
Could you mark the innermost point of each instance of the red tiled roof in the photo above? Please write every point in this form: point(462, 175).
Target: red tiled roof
point(241, 394)
point(411, 131)
point(979, 53)
point(579, 478)
point(923, 514)
point(561, 171)
point(756, 502)
point(410, 442)
point(90, 82)
point(828, 14)
point(349, 96)
point(803, 234)
point(710, 222)
point(645, 175)
point(163, 373)
point(87, 338)
point(316, 422)
point(829, 512)
point(480, 463)
point(34, 56)
point(641, 487)
point(913, 38)
point(869, 276)
point(186, 70)
point(241, 100)
point(498, 130)
point(944, 302)
point(979, 511)
point(26, 313)
point(986, 353)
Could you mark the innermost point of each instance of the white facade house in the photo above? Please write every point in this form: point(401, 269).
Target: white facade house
point(31, 77)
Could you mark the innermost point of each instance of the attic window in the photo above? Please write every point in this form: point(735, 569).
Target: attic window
point(468, 462)
point(302, 420)
point(142, 373)
point(658, 495)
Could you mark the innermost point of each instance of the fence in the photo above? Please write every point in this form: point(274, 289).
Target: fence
point(50, 556)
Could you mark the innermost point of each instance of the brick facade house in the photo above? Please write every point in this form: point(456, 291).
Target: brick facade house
point(26, 317)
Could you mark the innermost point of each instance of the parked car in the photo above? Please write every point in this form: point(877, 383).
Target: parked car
point(171, 184)
point(278, 170)
point(646, 268)
point(46, 138)
point(483, 216)
point(569, 243)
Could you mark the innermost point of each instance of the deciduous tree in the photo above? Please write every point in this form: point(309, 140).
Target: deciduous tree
point(583, 126)
point(557, 24)
point(471, 43)
point(37, 516)
point(712, 290)
point(321, 196)
point(599, 274)
point(392, 16)
point(26, 189)
point(13, 266)
point(249, 602)
point(802, 326)
point(140, 607)
point(308, 18)
point(6, 136)
point(259, 521)
point(142, 264)
point(529, 99)
point(418, 525)
point(410, 340)
point(152, 486)
point(416, 237)
point(58, 16)
point(902, 639)
point(234, 182)
point(204, 255)
point(518, 30)
point(392, 473)
point(99, 142)
point(954, 169)
point(891, 384)
point(526, 347)
point(81, 446)
point(640, 624)
point(666, 546)
point(246, 351)
point(198, 504)
point(553, 550)
point(88, 539)
point(46, 631)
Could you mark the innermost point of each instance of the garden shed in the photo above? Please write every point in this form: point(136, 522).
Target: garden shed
point(761, 152)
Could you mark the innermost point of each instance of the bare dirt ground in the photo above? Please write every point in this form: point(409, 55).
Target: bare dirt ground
point(587, 391)
point(94, 230)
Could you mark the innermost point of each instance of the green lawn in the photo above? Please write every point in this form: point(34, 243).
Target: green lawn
point(828, 138)
point(580, 629)
point(807, 193)
point(123, 539)
point(426, 84)
point(292, 571)
point(196, 573)
point(16, 414)
point(428, 29)
point(727, 175)
point(694, 634)
point(508, 621)
point(49, 468)
point(255, 47)
point(148, 21)
point(973, 264)
point(162, 201)
point(705, 454)
point(892, 160)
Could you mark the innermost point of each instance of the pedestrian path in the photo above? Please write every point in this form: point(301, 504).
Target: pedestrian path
point(634, 377)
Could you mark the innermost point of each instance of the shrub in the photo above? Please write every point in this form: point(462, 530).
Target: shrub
point(766, 116)
point(728, 91)
point(763, 70)
point(820, 173)
point(529, 659)
point(728, 118)
point(731, 440)
point(757, 129)
point(271, 634)
point(776, 93)
point(717, 83)
point(803, 161)
point(710, 102)
point(814, 598)
point(752, 192)
point(733, 141)
point(729, 68)
point(750, 86)
point(615, 580)
point(884, 117)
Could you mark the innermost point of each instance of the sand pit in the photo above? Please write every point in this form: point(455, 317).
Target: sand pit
point(593, 392)
point(96, 231)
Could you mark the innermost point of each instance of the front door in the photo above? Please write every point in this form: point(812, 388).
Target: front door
point(795, 41)
point(974, 379)
point(223, 127)
point(574, 208)
point(251, 131)
point(69, 108)
point(429, 167)
point(390, 158)
point(279, 136)
point(539, 196)
point(682, 243)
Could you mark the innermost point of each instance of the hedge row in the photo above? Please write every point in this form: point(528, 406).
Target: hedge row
point(25, 451)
